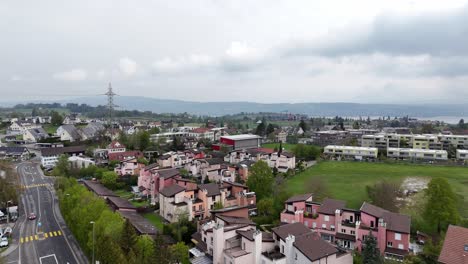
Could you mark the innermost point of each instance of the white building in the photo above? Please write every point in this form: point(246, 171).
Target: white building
point(357, 153)
point(417, 154)
point(462, 154)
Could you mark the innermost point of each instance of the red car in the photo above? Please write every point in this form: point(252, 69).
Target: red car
point(32, 216)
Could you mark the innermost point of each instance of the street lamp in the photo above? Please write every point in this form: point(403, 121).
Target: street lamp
point(92, 222)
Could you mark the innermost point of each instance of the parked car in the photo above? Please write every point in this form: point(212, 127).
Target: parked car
point(32, 216)
point(4, 242)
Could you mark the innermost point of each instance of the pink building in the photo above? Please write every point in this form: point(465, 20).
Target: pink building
point(152, 180)
point(347, 227)
point(129, 167)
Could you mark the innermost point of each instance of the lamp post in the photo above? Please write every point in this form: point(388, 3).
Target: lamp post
point(92, 222)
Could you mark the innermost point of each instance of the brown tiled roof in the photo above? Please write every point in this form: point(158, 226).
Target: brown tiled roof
point(455, 248)
point(314, 247)
point(141, 224)
point(295, 229)
point(212, 189)
point(168, 173)
point(234, 220)
point(372, 210)
point(329, 206)
point(299, 198)
point(395, 222)
point(172, 190)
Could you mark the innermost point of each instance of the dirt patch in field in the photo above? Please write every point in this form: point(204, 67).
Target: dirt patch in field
point(410, 187)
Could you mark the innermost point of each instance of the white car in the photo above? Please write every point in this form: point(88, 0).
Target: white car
point(4, 242)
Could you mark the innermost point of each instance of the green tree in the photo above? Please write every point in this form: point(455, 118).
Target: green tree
point(56, 118)
point(270, 129)
point(218, 205)
point(260, 129)
point(261, 179)
point(179, 253)
point(161, 253)
point(62, 167)
point(144, 250)
point(384, 194)
point(109, 179)
point(128, 238)
point(303, 125)
point(441, 206)
point(461, 124)
point(144, 140)
point(370, 251)
point(265, 207)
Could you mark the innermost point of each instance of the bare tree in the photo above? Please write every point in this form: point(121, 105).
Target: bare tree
point(384, 194)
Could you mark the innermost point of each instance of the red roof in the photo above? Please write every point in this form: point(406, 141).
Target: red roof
point(455, 249)
point(115, 144)
point(266, 150)
point(121, 156)
point(200, 130)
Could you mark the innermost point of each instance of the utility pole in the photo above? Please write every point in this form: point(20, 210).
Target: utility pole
point(110, 107)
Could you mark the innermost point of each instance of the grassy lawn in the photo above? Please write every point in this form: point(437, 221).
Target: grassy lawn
point(139, 203)
point(51, 129)
point(287, 147)
point(348, 180)
point(124, 194)
point(155, 219)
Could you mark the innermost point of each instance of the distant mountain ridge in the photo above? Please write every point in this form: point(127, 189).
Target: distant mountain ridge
point(313, 109)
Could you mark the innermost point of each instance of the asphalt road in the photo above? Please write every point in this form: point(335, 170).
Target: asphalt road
point(45, 240)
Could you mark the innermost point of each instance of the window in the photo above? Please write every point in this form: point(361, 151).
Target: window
point(397, 236)
point(389, 244)
point(306, 223)
point(314, 225)
point(295, 257)
point(332, 227)
point(353, 232)
point(243, 246)
point(400, 246)
point(327, 218)
point(211, 240)
point(324, 226)
point(343, 231)
point(371, 223)
point(282, 249)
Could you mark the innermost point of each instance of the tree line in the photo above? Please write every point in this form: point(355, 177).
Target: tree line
point(115, 240)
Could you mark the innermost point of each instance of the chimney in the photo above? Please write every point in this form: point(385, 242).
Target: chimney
point(289, 249)
point(257, 249)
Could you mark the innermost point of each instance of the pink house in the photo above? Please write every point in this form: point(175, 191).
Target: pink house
point(152, 180)
point(347, 228)
point(129, 167)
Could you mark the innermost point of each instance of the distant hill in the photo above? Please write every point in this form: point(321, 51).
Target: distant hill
point(313, 109)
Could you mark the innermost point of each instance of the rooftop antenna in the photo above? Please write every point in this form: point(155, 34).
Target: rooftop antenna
point(110, 107)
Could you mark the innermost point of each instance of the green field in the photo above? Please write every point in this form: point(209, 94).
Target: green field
point(155, 219)
point(348, 180)
point(286, 146)
point(49, 128)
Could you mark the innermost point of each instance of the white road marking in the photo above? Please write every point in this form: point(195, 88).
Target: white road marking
point(48, 256)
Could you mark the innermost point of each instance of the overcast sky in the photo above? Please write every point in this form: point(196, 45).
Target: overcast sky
point(230, 50)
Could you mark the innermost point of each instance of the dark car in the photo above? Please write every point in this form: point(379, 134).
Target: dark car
point(32, 216)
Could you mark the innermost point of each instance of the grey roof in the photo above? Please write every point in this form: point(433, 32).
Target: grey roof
point(234, 220)
point(13, 150)
point(92, 129)
point(329, 206)
point(141, 224)
point(202, 260)
point(121, 203)
point(299, 198)
point(295, 229)
point(72, 130)
point(172, 190)
point(99, 189)
point(62, 150)
point(168, 173)
point(38, 133)
point(314, 247)
point(214, 161)
point(211, 188)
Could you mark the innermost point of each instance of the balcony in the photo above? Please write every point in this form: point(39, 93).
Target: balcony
point(348, 223)
point(311, 215)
